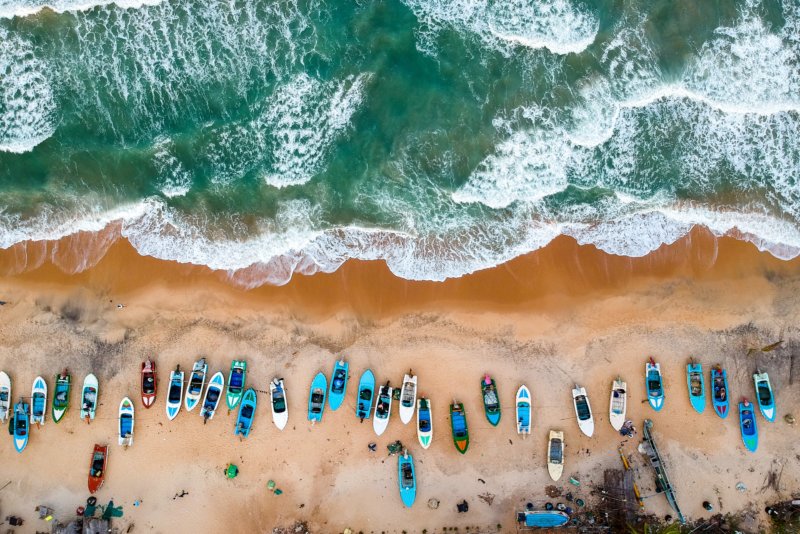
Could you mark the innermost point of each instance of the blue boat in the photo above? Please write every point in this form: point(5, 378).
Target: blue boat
point(19, 425)
point(655, 385)
point(747, 423)
point(491, 402)
point(366, 390)
point(764, 396)
point(719, 391)
point(542, 518)
point(247, 412)
point(407, 479)
point(316, 398)
point(338, 384)
point(697, 386)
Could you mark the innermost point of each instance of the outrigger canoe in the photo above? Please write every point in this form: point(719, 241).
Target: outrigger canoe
point(89, 397)
point(383, 409)
point(719, 392)
point(764, 396)
point(747, 424)
point(366, 390)
point(523, 411)
point(5, 396)
point(316, 398)
point(618, 405)
point(583, 410)
point(407, 479)
point(247, 412)
point(280, 410)
point(149, 383)
point(236, 382)
point(555, 454)
point(126, 422)
point(655, 384)
point(38, 401)
point(491, 402)
point(97, 467)
point(408, 398)
point(175, 393)
point(338, 384)
point(458, 424)
point(19, 425)
point(697, 386)
point(196, 382)
point(212, 396)
point(424, 422)
point(61, 395)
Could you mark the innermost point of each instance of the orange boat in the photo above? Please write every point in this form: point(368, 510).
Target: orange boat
point(148, 383)
point(97, 467)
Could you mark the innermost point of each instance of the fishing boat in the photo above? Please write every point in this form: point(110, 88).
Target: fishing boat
point(618, 404)
point(61, 395)
point(316, 398)
point(20, 425)
point(366, 390)
point(38, 401)
point(97, 467)
point(236, 381)
point(747, 424)
point(338, 384)
point(126, 422)
point(697, 386)
point(211, 399)
point(247, 412)
point(149, 383)
point(280, 410)
point(764, 396)
point(523, 411)
point(424, 422)
point(719, 392)
point(458, 424)
point(655, 385)
point(542, 518)
point(406, 478)
point(583, 410)
point(175, 393)
point(408, 398)
point(196, 382)
point(555, 454)
point(491, 402)
point(89, 396)
point(5, 396)
point(383, 409)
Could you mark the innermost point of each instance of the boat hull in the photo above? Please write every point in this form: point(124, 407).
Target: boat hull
point(97, 467)
point(491, 408)
point(276, 390)
point(583, 411)
point(126, 422)
point(38, 401)
point(149, 383)
point(21, 425)
point(338, 385)
point(720, 396)
point(459, 428)
point(5, 396)
point(237, 379)
point(90, 396)
point(764, 396)
point(247, 413)
point(545, 518)
point(697, 386)
point(62, 389)
point(211, 399)
point(408, 492)
point(523, 406)
point(555, 454)
point(174, 394)
point(424, 420)
point(197, 381)
point(380, 421)
point(655, 385)
point(618, 405)
point(748, 426)
point(366, 392)
point(319, 386)
point(408, 399)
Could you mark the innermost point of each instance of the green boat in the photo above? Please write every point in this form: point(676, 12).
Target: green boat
point(236, 381)
point(61, 395)
point(458, 424)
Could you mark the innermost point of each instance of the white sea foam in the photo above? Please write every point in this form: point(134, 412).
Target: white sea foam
point(175, 179)
point(24, 8)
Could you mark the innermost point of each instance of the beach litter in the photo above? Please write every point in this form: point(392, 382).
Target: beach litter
point(741, 487)
point(433, 504)
point(462, 507)
point(789, 418)
point(395, 448)
point(574, 481)
point(488, 498)
point(552, 491)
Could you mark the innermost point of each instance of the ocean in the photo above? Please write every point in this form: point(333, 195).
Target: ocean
point(442, 137)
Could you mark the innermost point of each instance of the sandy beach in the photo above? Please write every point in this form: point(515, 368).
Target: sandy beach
point(563, 315)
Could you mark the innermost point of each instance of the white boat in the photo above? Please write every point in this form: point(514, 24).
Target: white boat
point(383, 409)
point(38, 401)
point(555, 454)
point(523, 411)
point(280, 409)
point(5, 396)
point(175, 393)
point(196, 382)
point(424, 422)
point(89, 396)
point(126, 422)
point(618, 404)
point(408, 398)
point(213, 393)
point(583, 410)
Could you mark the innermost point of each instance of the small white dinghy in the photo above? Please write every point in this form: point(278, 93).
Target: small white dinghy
point(618, 404)
point(89, 395)
point(126, 422)
point(280, 410)
point(5, 396)
point(38, 401)
point(555, 454)
point(383, 409)
point(583, 410)
point(408, 398)
point(196, 382)
point(212, 396)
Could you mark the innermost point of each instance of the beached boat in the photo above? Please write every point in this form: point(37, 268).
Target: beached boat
point(126, 422)
point(697, 386)
point(542, 518)
point(97, 467)
point(366, 390)
point(655, 384)
point(89, 395)
point(236, 381)
point(149, 383)
point(61, 395)
point(5, 396)
point(20, 425)
point(491, 401)
point(38, 401)
point(316, 398)
point(555, 454)
point(408, 398)
point(764, 396)
point(406, 478)
point(424, 422)
point(748, 426)
point(458, 424)
point(719, 391)
point(196, 382)
point(523, 411)
point(280, 409)
point(247, 412)
point(213, 394)
point(175, 393)
point(383, 409)
point(583, 410)
point(618, 405)
point(338, 384)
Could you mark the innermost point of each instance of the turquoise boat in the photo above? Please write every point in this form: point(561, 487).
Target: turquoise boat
point(407, 479)
point(19, 426)
point(697, 386)
point(236, 382)
point(491, 402)
point(747, 424)
point(655, 385)
point(719, 391)
point(247, 412)
point(366, 390)
point(316, 398)
point(338, 384)
point(542, 518)
point(764, 396)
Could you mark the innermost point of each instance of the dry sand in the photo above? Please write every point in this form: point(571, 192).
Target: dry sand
point(567, 314)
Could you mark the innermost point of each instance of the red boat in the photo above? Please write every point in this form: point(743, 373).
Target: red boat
point(97, 467)
point(148, 383)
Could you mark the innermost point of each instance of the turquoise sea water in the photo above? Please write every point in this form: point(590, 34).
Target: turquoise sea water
point(441, 136)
